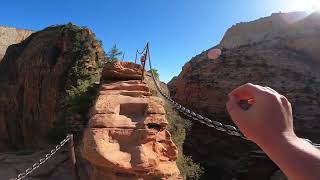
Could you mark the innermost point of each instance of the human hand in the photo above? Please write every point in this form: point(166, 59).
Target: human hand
point(269, 117)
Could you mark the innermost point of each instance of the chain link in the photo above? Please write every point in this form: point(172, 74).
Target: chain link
point(229, 129)
point(42, 160)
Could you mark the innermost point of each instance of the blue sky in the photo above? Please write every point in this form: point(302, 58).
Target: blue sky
point(176, 29)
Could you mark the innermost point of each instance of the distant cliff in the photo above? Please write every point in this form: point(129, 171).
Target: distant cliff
point(299, 30)
point(9, 35)
point(280, 51)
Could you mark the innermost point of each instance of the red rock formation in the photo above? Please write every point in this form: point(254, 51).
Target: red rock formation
point(117, 70)
point(127, 137)
point(288, 64)
point(33, 81)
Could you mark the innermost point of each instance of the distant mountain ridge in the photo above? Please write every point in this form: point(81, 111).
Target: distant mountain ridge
point(10, 35)
point(276, 25)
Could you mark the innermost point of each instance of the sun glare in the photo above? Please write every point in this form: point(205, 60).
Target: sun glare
point(304, 5)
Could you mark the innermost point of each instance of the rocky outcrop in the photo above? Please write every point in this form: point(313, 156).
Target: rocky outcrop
point(39, 78)
point(287, 63)
point(117, 70)
point(126, 137)
point(9, 35)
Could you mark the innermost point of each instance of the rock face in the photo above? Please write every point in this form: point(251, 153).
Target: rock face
point(10, 36)
point(126, 137)
point(288, 62)
point(117, 70)
point(299, 29)
point(277, 25)
point(34, 77)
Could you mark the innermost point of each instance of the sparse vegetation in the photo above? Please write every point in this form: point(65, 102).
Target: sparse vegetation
point(155, 73)
point(178, 128)
point(80, 89)
point(114, 53)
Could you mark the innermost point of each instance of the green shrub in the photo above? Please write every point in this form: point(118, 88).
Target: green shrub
point(80, 89)
point(188, 168)
point(155, 73)
point(178, 127)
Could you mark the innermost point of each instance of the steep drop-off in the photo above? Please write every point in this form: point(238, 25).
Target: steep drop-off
point(287, 62)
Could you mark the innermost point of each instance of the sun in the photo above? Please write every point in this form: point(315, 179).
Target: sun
point(304, 5)
point(316, 7)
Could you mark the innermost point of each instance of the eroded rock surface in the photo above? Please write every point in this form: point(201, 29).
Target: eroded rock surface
point(126, 137)
point(119, 70)
point(9, 35)
point(280, 61)
point(34, 77)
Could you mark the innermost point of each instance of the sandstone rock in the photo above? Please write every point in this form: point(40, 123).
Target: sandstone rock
point(126, 137)
point(33, 83)
point(9, 36)
point(281, 62)
point(298, 29)
point(214, 53)
point(118, 70)
point(278, 24)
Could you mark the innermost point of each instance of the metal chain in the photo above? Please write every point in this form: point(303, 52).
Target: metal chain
point(138, 52)
point(229, 129)
point(42, 160)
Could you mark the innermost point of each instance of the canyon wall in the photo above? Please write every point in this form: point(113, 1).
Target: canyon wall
point(40, 79)
point(287, 60)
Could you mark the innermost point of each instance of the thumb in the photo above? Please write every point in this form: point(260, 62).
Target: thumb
point(235, 111)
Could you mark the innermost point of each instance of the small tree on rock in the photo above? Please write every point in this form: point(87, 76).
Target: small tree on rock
point(114, 53)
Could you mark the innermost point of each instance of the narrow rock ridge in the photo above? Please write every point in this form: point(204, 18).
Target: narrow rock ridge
point(126, 136)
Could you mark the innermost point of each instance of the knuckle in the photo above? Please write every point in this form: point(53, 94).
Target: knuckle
point(249, 85)
point(285, 100)
point(269, 95)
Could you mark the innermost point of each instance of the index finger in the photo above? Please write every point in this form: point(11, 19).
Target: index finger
point(246, 91)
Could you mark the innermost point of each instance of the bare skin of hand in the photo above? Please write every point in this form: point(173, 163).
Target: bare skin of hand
point(269, 123)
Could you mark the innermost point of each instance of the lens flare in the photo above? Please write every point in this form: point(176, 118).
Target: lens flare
point(304, 5)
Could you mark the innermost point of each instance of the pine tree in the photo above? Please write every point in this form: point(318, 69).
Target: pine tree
point(114, 53)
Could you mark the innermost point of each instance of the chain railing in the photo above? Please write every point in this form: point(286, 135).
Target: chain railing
point(228, 129)
point(42, 160)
